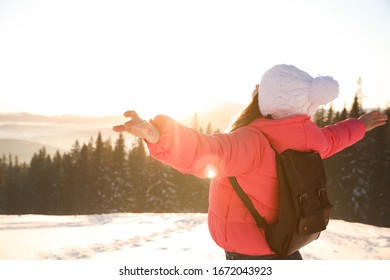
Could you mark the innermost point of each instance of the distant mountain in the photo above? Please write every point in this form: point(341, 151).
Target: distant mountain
point(23, 149)
point(219, 116)
point(23, 134)
point(58, 137)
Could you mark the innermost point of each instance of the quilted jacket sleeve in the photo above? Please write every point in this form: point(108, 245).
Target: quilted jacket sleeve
point(342, 135)
point(203, 155)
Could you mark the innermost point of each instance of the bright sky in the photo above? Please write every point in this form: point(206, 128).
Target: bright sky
point(94, 57)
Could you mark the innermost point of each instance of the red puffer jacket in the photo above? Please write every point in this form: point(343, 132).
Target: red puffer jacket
point(246, 154)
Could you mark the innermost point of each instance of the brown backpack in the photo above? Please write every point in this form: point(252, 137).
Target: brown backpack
point(304, 209)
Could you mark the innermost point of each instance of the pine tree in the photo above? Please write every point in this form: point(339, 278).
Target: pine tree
point(13, 186)
point(76, 187)
point(209, 129)
point(85, 178)
point(344, 113)
point(3, 199)
point(38, 180)
point(161, 191)
point(383, 192)
point(69, 184)
point(357, 106)
point(138, 162)
point(101, 169)
point(56, 194)
point(119, 177)
point(337, 117)
point(330, 116)
point(319, 117)
point(355, 109)
point(193, 192)
point(76, 174)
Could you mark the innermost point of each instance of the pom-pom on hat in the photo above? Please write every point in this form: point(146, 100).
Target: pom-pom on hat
point(286, 91)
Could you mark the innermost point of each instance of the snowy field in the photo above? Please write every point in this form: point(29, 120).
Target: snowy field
point(154, 237)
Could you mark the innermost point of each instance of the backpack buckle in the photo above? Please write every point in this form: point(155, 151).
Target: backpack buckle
point(321, 190)
point(302, 197)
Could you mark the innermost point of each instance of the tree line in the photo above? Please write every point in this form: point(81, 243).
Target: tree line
point(359, 176)
point(97, 177)
point(105, 177)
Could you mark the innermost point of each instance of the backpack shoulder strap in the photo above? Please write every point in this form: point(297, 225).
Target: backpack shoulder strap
point(260, 221)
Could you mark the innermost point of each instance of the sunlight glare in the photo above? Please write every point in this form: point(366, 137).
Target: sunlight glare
point(211, 173)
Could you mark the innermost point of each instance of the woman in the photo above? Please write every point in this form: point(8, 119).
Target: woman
point(279, 114)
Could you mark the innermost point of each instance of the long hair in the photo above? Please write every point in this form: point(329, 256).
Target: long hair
point(248, 115)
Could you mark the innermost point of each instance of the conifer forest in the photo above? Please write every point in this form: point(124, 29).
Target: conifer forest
point(105, 177)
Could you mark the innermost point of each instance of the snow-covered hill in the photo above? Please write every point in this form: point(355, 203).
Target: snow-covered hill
point(153, 237)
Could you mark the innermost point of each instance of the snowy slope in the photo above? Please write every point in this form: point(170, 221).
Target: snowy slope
point(150, 237)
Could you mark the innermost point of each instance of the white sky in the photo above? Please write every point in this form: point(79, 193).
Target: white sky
point(105, 57)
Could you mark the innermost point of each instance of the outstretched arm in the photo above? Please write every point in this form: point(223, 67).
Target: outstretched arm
point(346, 133)
point(139, 127)
point(191, 152)
point(373, 119)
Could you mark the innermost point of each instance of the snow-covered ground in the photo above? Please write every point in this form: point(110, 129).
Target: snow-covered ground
point(154, 237)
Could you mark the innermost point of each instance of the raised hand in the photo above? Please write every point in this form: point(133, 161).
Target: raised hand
point(139, 127)
point(373, 119)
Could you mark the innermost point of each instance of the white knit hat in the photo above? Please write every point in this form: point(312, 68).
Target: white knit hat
point(286, 91)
